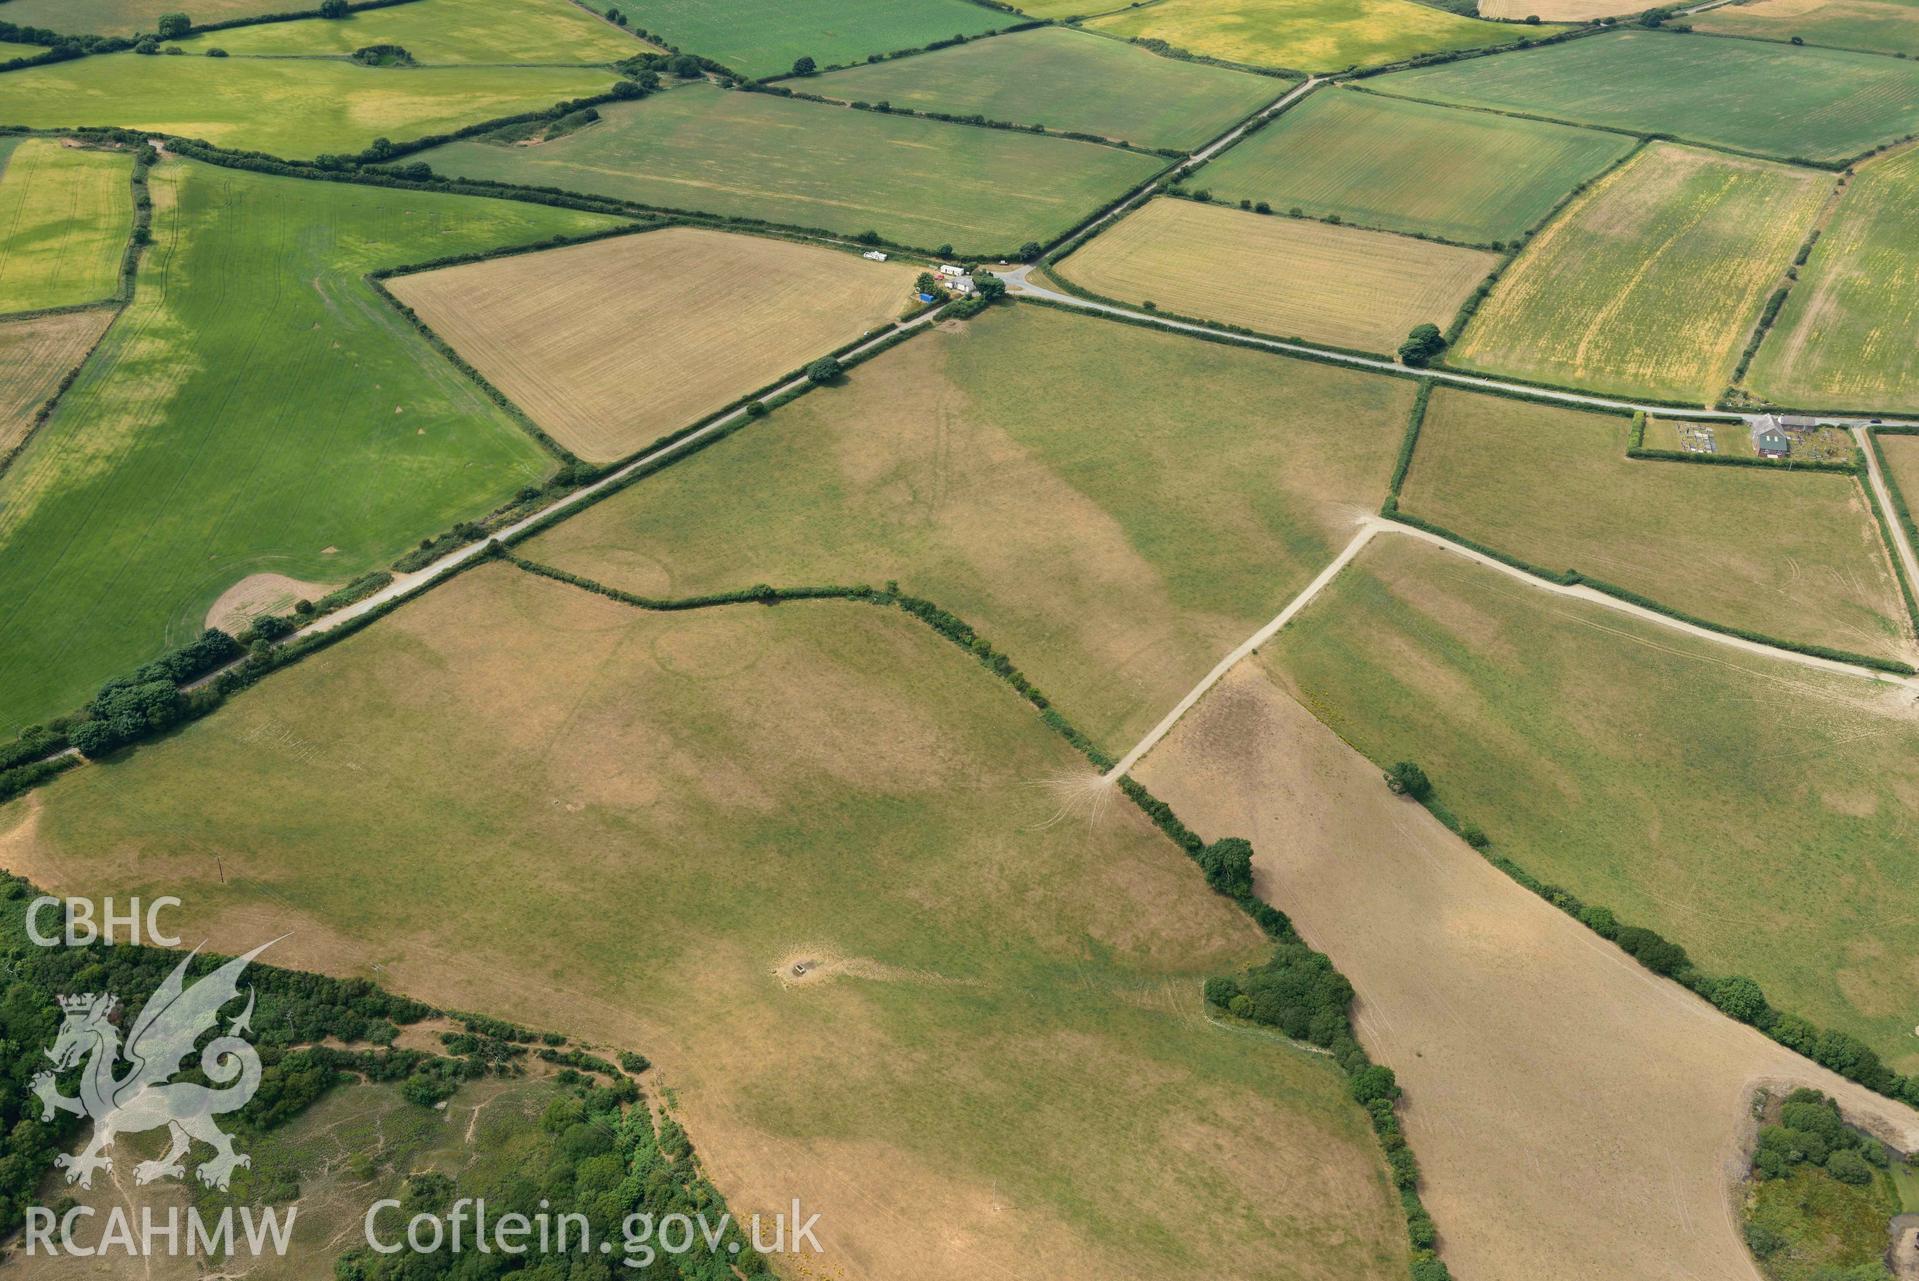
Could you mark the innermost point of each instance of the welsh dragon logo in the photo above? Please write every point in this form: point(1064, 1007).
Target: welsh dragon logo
point(143, 1098)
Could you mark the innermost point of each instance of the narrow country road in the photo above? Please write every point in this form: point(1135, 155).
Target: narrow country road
point(1019, 284)
point(411, 584)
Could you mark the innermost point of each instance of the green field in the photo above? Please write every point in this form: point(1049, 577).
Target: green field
point(1881, 26)
point(985, 191)
point(1754, 811)
point(292, 107)
point(1309, 35)
point(1830, 1229)
point(9, 50)
point(1409, 166)
point(1845, 338)
point(180, 463)
point(1048, 476)
point(1066, 80)
point(765, 37)
point(1774, 99)
point(862, 797)
point(124, 17)
point(1650, 282)
point(65, 215)
point(1796, 556)
point(442, 31)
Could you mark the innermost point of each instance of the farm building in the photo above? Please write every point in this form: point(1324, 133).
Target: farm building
point(1769, 439)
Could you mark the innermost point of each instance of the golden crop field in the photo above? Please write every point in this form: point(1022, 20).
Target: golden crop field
point(1283, 276)
point(35, 354)
point(1650, 282)
point(1557, 10)
point(609, 345)
point(1879, 26)
point(65, 213)
point(1846, 336)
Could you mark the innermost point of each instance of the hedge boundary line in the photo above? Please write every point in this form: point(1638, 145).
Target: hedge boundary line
point(1372, 1086)
point(1900, 512)
point(969, 122)
point(138, 237)
point(1415, 420)
point(1574, 578)
point(1349, 1054)
point(1736, 996)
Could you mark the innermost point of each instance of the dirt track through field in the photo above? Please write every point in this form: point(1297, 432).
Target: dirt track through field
point(1575, 1115)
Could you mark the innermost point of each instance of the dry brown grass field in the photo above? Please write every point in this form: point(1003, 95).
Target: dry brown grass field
point(1650, 282)
point(632, 825)
point(1114, 507)
point(612, 344)
point(1283, 276)
point(1574, 1115)
point(1790, 554)
point(35, 355)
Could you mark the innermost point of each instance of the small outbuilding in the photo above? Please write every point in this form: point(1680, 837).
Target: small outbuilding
point(875, 255)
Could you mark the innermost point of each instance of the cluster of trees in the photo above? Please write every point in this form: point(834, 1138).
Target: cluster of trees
point(130, 708)
point(600, 1156)
point(294, 1008)
point(1422, 346)
point(1810, 1132)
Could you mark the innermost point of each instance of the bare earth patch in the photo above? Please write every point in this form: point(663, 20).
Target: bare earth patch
point(258, 594)
point(1575, 1116)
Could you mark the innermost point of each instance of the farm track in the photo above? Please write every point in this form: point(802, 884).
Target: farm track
point(1882, 496)
point(1372, 526)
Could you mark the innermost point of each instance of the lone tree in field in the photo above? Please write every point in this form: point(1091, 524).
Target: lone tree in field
point(333, 8)
point(174, 25)
point(1407, 779)
point(804, 66)
point(1421, 345)
point(824, 370)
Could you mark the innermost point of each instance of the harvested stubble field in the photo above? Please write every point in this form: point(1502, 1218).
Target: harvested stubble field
point(1649, 283)
point(35, 354)
point(125, 17)
point(864, 797)
point(182, 425)
point(507, 32)
point(1822, 104)
point(1790, 554)
point(1308, 35)
point(65, 214)
point(754, 155)
point(765, 37)
point(1410, 166)
point(1065, 80)
point(609, 345)
point(1494, 1008)
point(291, 107)
point(1046, 476)
point(1882, 26)
point(1289, 277)
point(1846, 336)
point(1754, 811)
